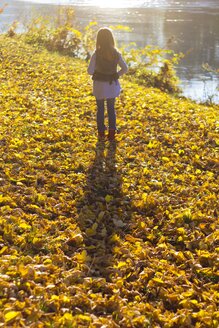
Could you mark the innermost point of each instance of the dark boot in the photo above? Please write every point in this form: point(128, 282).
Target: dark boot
point(101, 135)
point(111, 135)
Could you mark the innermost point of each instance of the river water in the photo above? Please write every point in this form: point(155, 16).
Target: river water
point(188, 26)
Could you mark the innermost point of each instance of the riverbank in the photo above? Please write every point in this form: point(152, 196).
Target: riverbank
point(177, 27)
point(92, 234)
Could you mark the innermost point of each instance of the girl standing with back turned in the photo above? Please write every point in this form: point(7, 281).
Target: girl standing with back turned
point(106, 87)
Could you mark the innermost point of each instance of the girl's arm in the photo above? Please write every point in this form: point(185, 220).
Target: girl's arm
point(91, 67)
point(123, 65)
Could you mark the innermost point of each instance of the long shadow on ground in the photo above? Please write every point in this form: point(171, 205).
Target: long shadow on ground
point(100, 209)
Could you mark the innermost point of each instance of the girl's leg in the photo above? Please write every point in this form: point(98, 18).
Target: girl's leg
point(111, 113)
point(100, 115)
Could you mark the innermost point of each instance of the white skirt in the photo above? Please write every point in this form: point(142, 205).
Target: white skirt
point(104, 90)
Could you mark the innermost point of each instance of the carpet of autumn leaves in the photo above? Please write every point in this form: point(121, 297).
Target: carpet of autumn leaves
point(98, 234)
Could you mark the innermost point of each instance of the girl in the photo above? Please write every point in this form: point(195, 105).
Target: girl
point(106, 87)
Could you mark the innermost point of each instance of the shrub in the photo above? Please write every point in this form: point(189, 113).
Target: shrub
point(152, 66)
point(59, 35)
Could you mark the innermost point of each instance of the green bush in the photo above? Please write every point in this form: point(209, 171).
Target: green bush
point(60, 35)
point(153, 67)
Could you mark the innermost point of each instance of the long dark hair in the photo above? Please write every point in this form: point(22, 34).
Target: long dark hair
point(105, 43)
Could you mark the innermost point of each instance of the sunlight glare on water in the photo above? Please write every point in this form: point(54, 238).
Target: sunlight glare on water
point(118, 3)
point(105, 3)
point(109, 3)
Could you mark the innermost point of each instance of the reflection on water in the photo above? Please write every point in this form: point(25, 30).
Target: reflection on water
point(191, 29)
point(173, 4)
